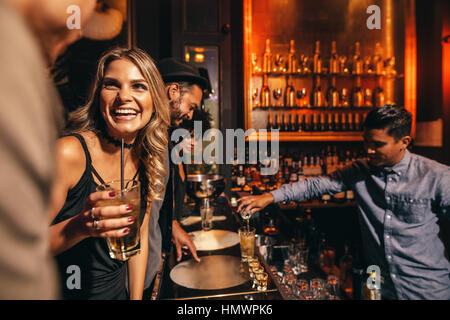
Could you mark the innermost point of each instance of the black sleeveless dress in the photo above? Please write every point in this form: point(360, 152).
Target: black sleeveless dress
point(102, 278)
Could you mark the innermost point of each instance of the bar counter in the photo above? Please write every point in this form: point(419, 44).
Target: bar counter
point(271, 251)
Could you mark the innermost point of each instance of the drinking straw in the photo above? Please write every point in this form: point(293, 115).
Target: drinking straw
point(121, 166)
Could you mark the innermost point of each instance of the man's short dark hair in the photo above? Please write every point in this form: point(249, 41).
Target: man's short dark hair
point(396, 119)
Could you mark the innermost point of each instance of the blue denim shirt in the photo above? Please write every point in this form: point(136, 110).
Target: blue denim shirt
point(398, 212)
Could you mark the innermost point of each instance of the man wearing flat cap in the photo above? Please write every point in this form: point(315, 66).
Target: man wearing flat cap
point(184, 88)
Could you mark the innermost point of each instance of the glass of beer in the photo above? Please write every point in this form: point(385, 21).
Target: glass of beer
point(247, 242)
point(123, 248)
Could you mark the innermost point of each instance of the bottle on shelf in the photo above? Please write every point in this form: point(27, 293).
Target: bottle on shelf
point(378, 93)
point(357, 124)
point(344, 126)
point(344, 99)
point(368, 97)
point(265, 92)
point(317, 59)
point(267, 58)
point(270, 122)
point(317, 98)
point(357, 62)
point(241, 178)
point(305, 123)
point(291, 62)
point(357, 94)
point(337, 122)
point(332, 93)
point(334, 60)
point(377, 60)
point(345, 266)
point(289, 93)
point(350, 124)
point(294, 123)
point(323, 123)
point(330, 121)
point(315, 122)
point(276, 124)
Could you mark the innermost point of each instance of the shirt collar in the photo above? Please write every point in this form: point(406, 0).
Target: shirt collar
point(400, 167)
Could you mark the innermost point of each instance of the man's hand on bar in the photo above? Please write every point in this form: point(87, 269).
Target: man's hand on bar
point(255, 203)
point(181, 238)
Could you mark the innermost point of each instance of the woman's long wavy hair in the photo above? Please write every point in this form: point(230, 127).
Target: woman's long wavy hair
point(153, 138)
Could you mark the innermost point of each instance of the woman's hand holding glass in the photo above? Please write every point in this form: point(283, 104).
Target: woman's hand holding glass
point(105, 221)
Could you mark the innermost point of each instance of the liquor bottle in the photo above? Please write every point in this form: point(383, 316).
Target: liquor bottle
point(358, 126)
point(323, 123)
point(345, 266)
point(337, 122)
point(291, 123)
point(267, 58)
point(378, 93)
point(305, 123)
point(330, 120)
point(289, 94)
point(344, 126)
point(377, 60)
point(275, 125)
point(315, 122)
point(332, 93)
point(270, 122)
point(265, 92)
point(317, 59)
point(317, 99)
point(344, 99)
point(350, 124)
point(294, 123)
point(282, 128)
point(334, 60)
point(292, 65)
point(357, 62)
point(357, 93)
point(241, 177)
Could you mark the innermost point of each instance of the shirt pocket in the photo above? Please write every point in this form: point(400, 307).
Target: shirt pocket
point(411, 210)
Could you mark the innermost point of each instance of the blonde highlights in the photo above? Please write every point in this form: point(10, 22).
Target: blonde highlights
point(152, 140)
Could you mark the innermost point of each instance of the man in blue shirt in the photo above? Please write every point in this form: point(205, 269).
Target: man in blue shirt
point(400, 197)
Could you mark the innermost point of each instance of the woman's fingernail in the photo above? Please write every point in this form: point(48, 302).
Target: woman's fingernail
point(130, 219)
point(112, 194)
point(126, 230)
point(129, 207)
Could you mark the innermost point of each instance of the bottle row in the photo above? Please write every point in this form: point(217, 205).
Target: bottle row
point(334, 64)
point(316, 122)
point(293, 167)
point(355, 97)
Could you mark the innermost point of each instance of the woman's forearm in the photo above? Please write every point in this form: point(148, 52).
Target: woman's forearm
point(65, 235)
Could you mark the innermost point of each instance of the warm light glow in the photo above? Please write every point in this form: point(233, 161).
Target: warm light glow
point(411, 62)
point(199, 57)
point(187, 57)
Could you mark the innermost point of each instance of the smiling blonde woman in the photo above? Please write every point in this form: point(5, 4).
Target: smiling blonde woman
point(127, 101)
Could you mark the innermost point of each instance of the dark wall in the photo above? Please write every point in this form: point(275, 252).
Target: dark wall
point(429, 19)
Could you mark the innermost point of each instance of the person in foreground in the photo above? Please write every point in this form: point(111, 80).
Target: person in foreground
point(33, 34)
point(127, 101)
point(400, 196)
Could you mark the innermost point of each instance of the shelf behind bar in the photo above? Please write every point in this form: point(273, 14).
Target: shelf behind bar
point(310, 136)
point(326, 75)
point(329, 109)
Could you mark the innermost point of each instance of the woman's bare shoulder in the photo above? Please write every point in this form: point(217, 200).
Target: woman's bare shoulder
point(69, 149)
